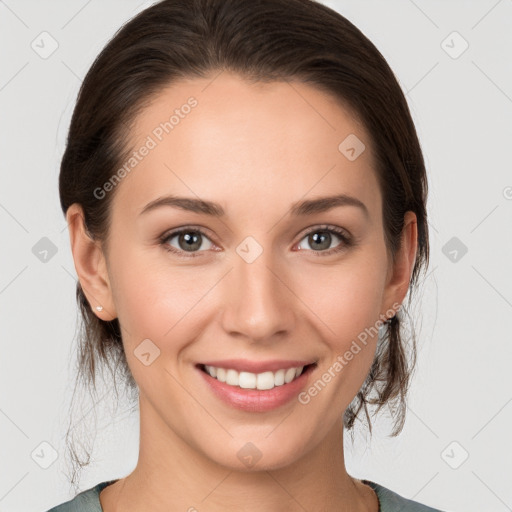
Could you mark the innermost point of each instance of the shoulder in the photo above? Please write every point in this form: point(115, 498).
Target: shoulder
point(85, 501)
point(392, 502)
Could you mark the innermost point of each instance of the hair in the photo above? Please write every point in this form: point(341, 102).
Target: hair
point(263, 40)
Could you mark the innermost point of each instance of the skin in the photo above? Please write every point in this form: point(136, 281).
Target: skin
point(255, 149)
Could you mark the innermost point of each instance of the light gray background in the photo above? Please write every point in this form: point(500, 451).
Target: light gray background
point(462, 390)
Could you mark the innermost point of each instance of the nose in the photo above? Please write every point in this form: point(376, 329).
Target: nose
point(258, 302)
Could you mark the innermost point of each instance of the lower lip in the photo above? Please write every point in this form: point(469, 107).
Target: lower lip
point(255, 400)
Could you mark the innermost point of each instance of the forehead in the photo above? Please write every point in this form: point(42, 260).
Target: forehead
point(225, 139)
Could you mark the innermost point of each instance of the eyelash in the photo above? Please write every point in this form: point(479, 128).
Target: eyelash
point(346, 240)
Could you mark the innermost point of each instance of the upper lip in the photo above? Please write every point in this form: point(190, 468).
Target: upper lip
point(246, 365)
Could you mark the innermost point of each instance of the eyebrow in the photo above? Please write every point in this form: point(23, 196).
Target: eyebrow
point(306, 207)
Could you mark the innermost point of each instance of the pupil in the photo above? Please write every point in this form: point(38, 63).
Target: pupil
point(192, 241)
point(320, 240)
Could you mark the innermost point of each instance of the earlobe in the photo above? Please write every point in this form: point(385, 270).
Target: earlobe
point(400, 272)
point(90, 265)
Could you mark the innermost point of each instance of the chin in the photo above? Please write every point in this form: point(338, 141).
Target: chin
point(260, 454)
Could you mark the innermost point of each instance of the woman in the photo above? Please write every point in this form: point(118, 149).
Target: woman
point(246, 201)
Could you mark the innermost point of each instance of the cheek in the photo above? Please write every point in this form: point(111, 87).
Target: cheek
point(156, 301)
point(347, 299)
point(157, 305)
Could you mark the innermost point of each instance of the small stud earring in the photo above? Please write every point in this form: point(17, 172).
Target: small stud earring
point(99, 308)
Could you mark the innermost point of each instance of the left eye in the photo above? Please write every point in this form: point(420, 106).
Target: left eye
point(321, 239)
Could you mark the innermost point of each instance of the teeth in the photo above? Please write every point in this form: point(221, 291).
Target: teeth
point(232, 378)
point(289, 375)
point(248, 380)
point(221, 373)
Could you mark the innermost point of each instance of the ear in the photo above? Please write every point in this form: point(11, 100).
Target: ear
point(90, 265)
point(400, 271)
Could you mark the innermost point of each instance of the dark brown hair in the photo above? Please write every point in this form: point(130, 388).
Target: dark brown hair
point(260, 40)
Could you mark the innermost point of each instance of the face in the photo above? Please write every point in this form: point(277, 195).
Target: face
point(269, 278)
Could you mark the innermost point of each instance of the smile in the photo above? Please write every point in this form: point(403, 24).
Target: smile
point(248, 380)
point(256, 386)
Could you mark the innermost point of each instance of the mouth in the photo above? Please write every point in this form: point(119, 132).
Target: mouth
point(256, 386)
point(262, 381)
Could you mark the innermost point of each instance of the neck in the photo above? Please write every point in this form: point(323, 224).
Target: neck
point(172, 475)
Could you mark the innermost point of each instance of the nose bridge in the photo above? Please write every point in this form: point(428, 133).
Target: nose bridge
point(257, 303)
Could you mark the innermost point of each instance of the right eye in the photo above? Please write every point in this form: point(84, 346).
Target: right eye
point(187, 240)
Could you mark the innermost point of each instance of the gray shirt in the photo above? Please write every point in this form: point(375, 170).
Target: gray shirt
point(389, 501)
